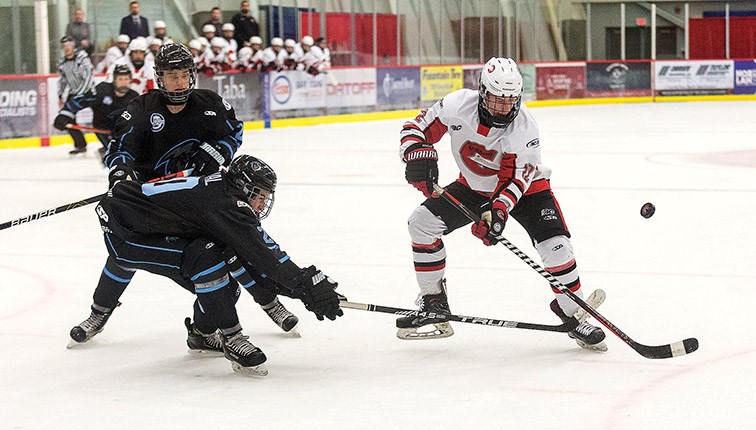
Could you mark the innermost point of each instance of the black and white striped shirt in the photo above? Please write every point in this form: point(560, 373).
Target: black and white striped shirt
point(75, 75)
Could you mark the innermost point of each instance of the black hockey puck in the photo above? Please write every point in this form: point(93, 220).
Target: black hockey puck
point(647, 210)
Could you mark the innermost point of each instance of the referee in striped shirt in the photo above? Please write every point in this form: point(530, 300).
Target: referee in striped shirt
point(75, 70)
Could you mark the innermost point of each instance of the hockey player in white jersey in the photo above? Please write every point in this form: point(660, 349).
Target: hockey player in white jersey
point(495, 142)
point(114, 53)
point(270, 55)
point(141, 66)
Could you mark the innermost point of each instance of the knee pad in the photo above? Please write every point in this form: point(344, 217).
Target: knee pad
point(555, 251)
point(424, 227)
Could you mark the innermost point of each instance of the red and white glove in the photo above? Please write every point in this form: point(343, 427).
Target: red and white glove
point(490, 228)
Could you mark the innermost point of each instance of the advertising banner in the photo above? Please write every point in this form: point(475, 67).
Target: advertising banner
point(438, 81)
point(694, 77)
point(297, 90)
point(745, 77)
point(398, 88)
point(242, 90)
point(618, 79)
point(560, 81)
point(351, 87)
point(23, 107)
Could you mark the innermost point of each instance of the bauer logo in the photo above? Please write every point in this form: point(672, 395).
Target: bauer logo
point(157, 121)
point(126, 115)
point(282, 89)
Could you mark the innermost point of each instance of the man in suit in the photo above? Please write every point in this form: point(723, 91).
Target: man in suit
point(133, 24)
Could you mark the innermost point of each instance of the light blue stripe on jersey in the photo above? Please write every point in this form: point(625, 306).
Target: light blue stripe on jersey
point(114, 277)
point(210, 270)
point(211, 289)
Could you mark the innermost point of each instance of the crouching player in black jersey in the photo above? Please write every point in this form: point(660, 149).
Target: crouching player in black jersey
point(108, 100)
point(163, 227)
point(165, 132)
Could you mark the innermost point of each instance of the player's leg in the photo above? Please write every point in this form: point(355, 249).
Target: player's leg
point(80, 143)
point(540, 215)
point(427, 224)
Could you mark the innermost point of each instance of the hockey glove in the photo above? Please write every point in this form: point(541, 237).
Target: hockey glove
point(121, 172)
point(422, 167)
point(209, 157)
point(491, 226)
point(61, 121)
point(318, 295)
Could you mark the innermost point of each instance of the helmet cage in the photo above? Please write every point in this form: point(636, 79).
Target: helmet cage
point(256, 180)
point(487, 106)
point(171, 58)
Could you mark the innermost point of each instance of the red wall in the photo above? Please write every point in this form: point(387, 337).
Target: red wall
point(707, 37)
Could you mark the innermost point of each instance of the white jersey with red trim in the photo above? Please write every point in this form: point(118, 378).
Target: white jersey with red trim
point(142, 79)
point(490, 160)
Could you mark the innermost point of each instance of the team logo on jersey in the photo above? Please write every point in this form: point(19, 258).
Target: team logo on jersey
point(226, 104)
point(107, 100)
point(209, 113)
point(456, 127)
point(479, 159)
point(126, 115)
point(242, 204)
point(533, 143)
point(157, 121)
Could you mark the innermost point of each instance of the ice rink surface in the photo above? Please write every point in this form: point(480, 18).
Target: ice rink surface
point(342, 204)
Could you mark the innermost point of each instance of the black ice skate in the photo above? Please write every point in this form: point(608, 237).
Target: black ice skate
point(77, 151)
point(282, 317)
point(202, 343)
point(431, 312)
point(88, 328)
point(245, 357)
point(585, 334)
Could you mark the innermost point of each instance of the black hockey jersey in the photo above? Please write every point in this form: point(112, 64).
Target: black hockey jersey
point(106, 106)
point(199, 206)
point(150, 139)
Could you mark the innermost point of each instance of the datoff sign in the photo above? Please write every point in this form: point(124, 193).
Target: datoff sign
point(297, 90)
point(351, 87)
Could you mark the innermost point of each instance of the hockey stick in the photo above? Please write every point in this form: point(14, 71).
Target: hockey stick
point(84, 128)
point(561, 328)
point(660, 351)
point(90, 200)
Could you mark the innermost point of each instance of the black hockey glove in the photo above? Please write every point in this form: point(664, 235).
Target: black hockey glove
point(318, 295)
point(422, 167)
point(490, 228)
point(209, 157)
point(121, 172)
point(61, 121)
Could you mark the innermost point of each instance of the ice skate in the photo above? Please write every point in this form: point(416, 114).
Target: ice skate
point(78, 152)
point(198, 342)
point(431, 313)
point(88, 328)
point(585, 334)
point(282, 317)
point(245, 357)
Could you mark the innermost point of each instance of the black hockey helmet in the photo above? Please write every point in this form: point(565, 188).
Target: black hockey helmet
point(253, 176)
point(121, 69)
point(175, 56)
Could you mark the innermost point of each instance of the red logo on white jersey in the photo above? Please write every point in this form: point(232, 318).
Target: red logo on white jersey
point(479, 159)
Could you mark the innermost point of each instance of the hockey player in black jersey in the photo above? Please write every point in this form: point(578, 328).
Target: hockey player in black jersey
point(164, 132)
point(163, 227)
point(107, 100)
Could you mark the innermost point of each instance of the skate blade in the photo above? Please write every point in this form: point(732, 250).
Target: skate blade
point(594, 300)
point(73, 344)
point(205, 353)
point(440, 331)
point(258, 371)
point(599, 347)
point(294, 332)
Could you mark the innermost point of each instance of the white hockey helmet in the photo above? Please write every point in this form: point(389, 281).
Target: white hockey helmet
point(244, 54)
point(290, 43)
point(255, 40)
point(276, 41)
point(156, 41)
point(138, 44)
point(123, 38)
point(228, 27)
point(499, 92)
point(218, 42)
point(159, 24)
point(307, 40)
point(195, 44)
point(208, 28)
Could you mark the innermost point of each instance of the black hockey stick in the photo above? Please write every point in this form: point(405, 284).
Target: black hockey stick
point(660, 351)
point(561, 328)
point(90, 200)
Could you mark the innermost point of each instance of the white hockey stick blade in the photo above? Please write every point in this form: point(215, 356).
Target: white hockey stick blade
point(440, 331)
point(258, 371)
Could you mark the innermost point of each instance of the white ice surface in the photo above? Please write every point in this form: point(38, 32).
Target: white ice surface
point(342, 203)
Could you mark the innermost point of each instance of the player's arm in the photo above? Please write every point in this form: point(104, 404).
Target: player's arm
point(416, 149)
point(125, 144)
point(219, 152)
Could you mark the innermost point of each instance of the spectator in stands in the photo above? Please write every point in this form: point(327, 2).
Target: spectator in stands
point(216, 20)
point(160, 32)
point(134, 25)
point(228, 34)
point(246, 26)
point(79, 31)
point(114, 53)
